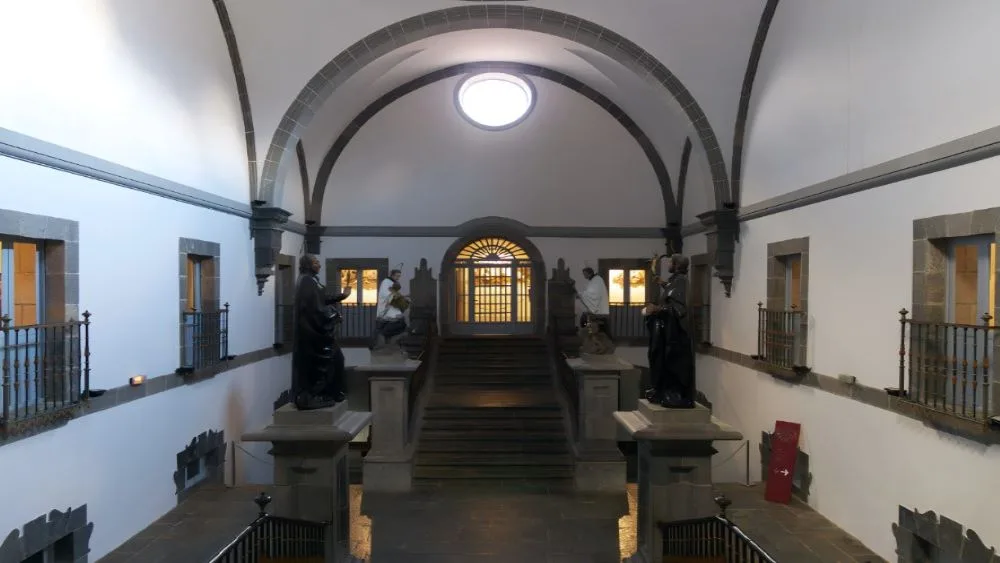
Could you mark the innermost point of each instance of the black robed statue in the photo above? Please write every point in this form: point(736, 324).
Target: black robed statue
point(671, 350)
point(317, 360)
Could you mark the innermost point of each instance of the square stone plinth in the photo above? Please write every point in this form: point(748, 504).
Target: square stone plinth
point(659, 424)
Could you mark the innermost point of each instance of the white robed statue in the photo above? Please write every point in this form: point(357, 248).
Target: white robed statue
point(595, 302)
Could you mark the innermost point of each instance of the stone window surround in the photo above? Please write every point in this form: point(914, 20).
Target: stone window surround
point(776, 272)
point(701, 296)
point(188, 247)
point(930, 258)
point(61, 299)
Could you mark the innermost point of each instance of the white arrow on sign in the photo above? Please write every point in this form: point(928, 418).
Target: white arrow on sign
point(783, 472)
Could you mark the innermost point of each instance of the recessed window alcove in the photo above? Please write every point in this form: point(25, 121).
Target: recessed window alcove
point(492, 284)
point(61, 537)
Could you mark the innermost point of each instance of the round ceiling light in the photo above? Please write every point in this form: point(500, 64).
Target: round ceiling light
point(495, 100)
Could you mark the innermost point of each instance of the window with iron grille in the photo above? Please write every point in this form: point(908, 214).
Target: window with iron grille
point(949, 339)
point(782, 322)
point(630, 287)
point(44, 356)
point(358, 311)
point(204, 322)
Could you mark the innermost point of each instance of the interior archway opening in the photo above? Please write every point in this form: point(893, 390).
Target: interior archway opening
point(494, 288)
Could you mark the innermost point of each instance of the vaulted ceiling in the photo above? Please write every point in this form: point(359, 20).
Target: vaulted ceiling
point(675, 67)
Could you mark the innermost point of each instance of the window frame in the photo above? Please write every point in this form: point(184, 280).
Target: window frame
point(333, 267)
point(7, 283)
point(778, 308)
point(933, 293)
point(205, 256)
point(634, 335)
point(700, 278)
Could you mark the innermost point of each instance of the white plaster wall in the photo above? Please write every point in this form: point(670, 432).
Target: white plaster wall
point(577, 253)
point(120, 462)
point(860, 269)
point(865, 461)
point(846, 85)
point(292, 199)
point(419, 162)
point(129, 268)
point(142, 83)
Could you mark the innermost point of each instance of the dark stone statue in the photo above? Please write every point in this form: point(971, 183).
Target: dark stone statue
point(317, 360)
point(671, 350)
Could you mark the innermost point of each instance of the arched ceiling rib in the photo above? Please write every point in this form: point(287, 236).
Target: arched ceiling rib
point(672, 213)
point(440, 22)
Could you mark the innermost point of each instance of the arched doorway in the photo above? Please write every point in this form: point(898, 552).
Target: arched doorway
point(493, 285)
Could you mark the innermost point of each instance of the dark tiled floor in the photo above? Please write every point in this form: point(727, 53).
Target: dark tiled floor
point(792, 533)
point(194, 531)
point(511, 522)
point(508, 522)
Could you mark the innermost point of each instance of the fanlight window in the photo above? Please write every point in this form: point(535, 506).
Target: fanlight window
point(492, 251)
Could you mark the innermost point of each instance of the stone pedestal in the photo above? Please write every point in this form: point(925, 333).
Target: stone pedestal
point(310, 468)
point(675, 468)
point(388, 466)
point(600, 466)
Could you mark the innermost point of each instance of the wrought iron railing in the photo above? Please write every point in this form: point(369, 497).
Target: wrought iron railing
point(270, 538)
point(357, 323)
point(45, 372)
point(701, 324)
point(948, 367)
point(714, 539)
point(204, 339)
point(781, 337)
point(284, 325)
point(626, 322)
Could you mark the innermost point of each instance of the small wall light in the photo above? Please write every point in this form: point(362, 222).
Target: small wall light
point(136, 380)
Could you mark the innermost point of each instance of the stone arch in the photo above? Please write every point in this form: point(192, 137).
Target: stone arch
point(438, 22)
point(314, 208)
point(487, 227)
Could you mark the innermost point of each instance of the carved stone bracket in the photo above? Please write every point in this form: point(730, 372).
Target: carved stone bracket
point(723, 233)
point(423, 310)
point(562, 310)
point(265, 228)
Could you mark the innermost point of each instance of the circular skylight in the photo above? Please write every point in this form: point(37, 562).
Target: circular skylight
point(495, 100)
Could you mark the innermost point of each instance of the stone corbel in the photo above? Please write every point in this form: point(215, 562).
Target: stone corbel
point(723, 229)
point(313, 234)
point(265, 228)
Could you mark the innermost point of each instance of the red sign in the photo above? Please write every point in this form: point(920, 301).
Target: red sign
point(781, 469)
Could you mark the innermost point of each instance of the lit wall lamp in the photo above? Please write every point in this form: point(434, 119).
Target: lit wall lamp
point(136, 380)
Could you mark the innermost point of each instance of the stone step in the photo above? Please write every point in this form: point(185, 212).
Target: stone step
point(494, 424)
point(471, 447)
point(488, 459)
point(526, 472)
point(516, 435)
point(467, 413)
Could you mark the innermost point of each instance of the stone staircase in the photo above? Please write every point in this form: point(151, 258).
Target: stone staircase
point(492, 413)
